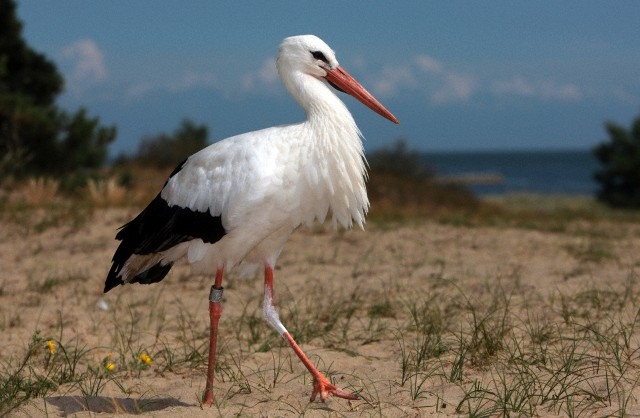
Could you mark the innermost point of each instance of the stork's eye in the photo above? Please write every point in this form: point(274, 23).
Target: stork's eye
point(319, 56)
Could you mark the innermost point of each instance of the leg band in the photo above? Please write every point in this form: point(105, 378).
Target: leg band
point(215, 295)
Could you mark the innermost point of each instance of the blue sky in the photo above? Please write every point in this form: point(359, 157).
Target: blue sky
point(459, 75)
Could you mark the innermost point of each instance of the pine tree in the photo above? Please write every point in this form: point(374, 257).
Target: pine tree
point(37, 138)
point(167, 151)
point(619, 176)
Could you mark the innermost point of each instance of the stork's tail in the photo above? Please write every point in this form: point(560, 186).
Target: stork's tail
point(112, 279)
point(151, 242)
point(153, 274)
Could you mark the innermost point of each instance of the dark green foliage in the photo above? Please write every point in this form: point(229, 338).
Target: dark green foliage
point(24, 72)
point(32, 377)
point(165, 151)
point(70, 142)
point(399, 161)
point(619, 176)
point(37, 138)
point(401, 185)
point(83, 142)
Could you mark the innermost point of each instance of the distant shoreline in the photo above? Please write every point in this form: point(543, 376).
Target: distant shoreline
point(504, 172)
point(472, 179)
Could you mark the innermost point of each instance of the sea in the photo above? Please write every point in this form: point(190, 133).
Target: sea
point(507, 172)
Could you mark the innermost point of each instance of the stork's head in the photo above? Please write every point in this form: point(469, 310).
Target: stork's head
point(308, 54)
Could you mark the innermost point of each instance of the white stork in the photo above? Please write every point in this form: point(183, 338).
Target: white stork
point(240, 199)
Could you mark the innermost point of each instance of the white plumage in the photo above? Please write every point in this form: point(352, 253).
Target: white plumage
point(269, 182)
point(239, 199)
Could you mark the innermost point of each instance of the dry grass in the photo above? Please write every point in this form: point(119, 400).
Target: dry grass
point(106, 192)
point(39, 191)
point(528, 308)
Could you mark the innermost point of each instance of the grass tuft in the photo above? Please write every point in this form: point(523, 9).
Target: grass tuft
point(466, 313)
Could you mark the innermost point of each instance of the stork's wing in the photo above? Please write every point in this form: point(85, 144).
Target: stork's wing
point(159, 227)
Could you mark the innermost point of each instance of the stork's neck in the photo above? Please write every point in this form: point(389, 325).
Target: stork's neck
point(333, 166)
point(327, 115)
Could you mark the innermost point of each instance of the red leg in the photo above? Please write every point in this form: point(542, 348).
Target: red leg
point(321, 385)
point(215, 310)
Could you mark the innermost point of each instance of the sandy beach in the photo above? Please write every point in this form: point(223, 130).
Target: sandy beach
point(418, 317)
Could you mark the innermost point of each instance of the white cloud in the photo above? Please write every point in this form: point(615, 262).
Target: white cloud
point(542, 89)
point(192, 80)
point(265, 76)
point(442, 84)
point(517, 86)
point(87, 65)
point(136, 91)
point(393, 79)
point(189, 80)
point(624, 96)
point(427, 75)
point(457, 87)
point(429, 64)
point(268, 73)
point(438, 82)
point(564, 92)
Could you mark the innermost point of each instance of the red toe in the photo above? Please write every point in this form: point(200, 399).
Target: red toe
point(322, 386)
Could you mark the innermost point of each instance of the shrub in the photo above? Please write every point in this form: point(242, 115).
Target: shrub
point(402, 185)
point(619, 176)
point(163, 150)
point(399, 161)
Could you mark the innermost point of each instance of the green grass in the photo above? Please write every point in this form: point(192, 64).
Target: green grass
point(476, 343)
point(503, 358)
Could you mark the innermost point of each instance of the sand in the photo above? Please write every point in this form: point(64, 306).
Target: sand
point(52, 282)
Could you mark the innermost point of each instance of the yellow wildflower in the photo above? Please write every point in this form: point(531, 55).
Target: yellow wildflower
point(145, 358)
point(51, 346)
point(110, 367)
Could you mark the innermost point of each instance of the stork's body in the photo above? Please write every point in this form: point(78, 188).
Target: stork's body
point(239, 199)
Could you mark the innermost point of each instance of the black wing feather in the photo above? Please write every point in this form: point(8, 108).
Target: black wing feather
point(158, 228)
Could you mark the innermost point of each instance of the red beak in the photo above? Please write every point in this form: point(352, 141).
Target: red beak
point(341, 79)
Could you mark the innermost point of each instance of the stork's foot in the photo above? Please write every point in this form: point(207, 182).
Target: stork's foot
point(322, 386)
point(207, 398)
